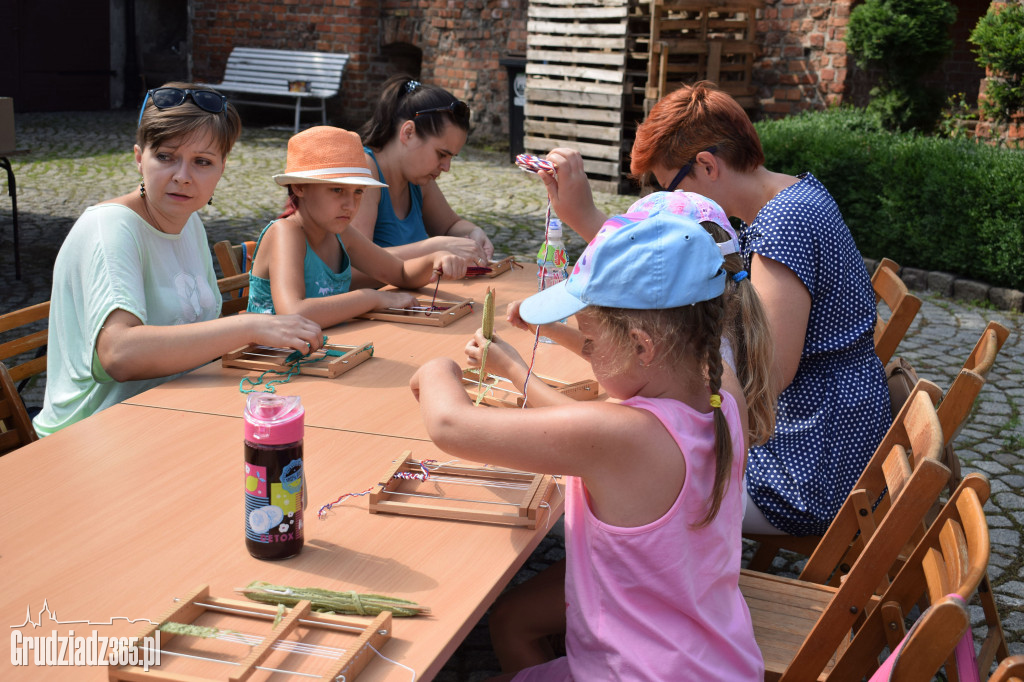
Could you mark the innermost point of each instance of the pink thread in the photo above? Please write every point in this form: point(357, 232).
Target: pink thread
point(534, 164)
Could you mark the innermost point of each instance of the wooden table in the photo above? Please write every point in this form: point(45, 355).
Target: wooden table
point(356, 400)
point(113, 517)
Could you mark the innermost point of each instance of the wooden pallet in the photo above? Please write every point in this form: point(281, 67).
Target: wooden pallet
point(500, 392)
point(440, 314)
point(576, 82)
point(237, 661)
point(463, 493)
point(691, 40)
point(331, 361)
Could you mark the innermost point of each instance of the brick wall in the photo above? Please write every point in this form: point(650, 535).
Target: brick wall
point(456, 44)
point(803, 64)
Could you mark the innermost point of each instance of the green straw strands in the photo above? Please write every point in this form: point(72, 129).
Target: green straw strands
point(192, 630)
point(488, 330)
point(327, 601)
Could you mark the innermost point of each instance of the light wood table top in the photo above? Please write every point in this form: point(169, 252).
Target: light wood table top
point(374, 397)
point(113, 517)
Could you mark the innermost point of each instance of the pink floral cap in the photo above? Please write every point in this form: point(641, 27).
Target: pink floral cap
point(696, 207)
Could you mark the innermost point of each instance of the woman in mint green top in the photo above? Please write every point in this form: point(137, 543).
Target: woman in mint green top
point(415, 131)
point(303, 260)
point(135, 299)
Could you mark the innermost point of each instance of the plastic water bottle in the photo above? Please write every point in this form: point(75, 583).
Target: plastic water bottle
point(274, 477)
point(552, 264)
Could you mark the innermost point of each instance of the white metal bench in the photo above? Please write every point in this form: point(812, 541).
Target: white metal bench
point(257, 71)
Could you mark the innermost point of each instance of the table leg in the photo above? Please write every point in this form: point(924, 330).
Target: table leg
point(12, 190)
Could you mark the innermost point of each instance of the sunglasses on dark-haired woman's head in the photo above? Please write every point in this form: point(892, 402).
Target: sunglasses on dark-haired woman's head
point(167, 98)
point(458, 109)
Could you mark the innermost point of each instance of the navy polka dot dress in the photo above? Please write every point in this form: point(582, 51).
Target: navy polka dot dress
point(832, 417)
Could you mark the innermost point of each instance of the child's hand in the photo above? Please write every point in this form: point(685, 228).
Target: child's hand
point(481, 239)
point(434, 370)
point(287, 331)
point(449, 266)
point(502, 358)
point(395, 299)
point(512, 315)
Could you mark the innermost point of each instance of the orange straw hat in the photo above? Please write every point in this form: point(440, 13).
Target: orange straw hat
point(324, 154)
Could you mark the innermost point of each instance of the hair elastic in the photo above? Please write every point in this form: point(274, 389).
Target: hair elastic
point(740, 276)
point(411, 86)
point(716, 400)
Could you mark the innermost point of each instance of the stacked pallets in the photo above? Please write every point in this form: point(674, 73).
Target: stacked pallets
point(594, 67)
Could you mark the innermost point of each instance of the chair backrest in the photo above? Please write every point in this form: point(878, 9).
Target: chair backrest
point(15, 426)
point(235, 293)
point(918, 480)
point(1010, 670)
point(915, 435)
point(952, 557)
point(30, 345)
point(234, 259)
point(903, 307)
point(984, 354)
point(928, 644)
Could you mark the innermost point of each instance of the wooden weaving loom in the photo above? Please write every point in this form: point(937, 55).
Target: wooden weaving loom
point(440, 314)
point(277, 649)
point(330, 361)
point(507, 396)
point(504, 496)
point(494, 268)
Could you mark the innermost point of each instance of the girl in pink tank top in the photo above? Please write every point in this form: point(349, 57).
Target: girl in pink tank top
point(653, 503)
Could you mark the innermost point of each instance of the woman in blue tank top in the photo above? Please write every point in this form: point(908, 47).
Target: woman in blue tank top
point(415, 131)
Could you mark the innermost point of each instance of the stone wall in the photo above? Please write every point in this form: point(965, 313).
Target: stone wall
point(455, 45)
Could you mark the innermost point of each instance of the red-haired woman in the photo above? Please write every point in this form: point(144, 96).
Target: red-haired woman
point(833, 404)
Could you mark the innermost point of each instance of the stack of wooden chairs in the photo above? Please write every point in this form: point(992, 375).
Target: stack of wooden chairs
point(911, 534)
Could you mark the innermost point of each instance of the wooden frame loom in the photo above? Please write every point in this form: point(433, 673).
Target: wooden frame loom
point(443, 314)
point(331, 361)
point(499, 396)
point(350, 663)
point(527, 493)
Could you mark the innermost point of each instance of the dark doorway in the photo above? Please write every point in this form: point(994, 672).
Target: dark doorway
point(57, 54)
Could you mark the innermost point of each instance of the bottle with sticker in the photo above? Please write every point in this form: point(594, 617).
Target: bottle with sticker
point(274, 477)
point(552, 264)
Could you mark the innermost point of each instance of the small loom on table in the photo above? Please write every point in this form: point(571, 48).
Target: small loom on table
point(330, 361)
point(500, 392)
point(295, 646)
point(503, 496)
point(426, 312)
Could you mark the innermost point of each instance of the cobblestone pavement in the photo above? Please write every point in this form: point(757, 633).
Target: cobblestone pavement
point(78, 159)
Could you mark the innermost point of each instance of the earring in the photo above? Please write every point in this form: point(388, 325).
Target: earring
point(142, 189)
point(210, 202)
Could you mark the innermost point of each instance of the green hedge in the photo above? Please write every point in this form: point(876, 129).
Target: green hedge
point(925, 202)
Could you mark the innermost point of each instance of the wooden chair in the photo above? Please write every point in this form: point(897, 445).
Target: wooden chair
point(1010, 670)
point(928, 644)
point(951, 558)
point(850, 514)
point(953, 410)
point(234, 259)
point(903, 307)
point(15, 426)
point(801, 626)
point(235, 293)
point(31, 345)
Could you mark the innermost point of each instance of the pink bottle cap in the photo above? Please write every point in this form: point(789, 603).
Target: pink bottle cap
point(273, 419)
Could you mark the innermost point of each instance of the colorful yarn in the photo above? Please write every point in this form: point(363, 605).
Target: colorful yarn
point(534, 164)
point(716, 400)
point(405, 475)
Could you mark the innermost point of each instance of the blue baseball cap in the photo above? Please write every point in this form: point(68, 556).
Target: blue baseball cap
point(638, 261)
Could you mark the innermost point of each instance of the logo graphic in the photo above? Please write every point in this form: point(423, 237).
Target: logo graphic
point(80, 650)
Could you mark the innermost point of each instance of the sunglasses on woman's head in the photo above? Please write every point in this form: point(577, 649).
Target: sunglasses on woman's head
point(167, 98)
point(458, 109)
point(685, 170)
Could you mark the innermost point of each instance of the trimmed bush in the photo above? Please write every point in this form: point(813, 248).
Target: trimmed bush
point(926, 202)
